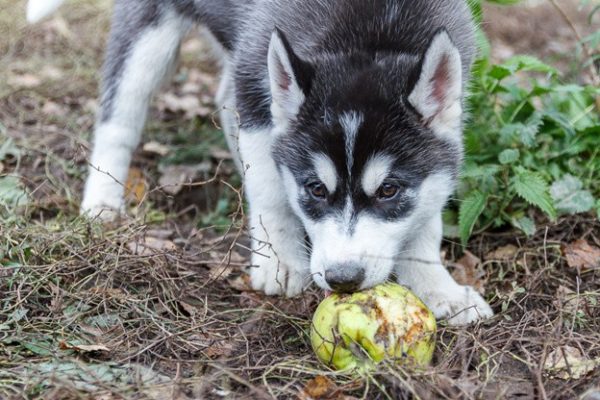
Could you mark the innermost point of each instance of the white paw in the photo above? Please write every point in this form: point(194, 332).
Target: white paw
point(101, 212)
point(273, 277)
point(462, 305)
point(103, 198)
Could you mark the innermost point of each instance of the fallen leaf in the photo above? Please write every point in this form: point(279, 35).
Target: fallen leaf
point(321, 388)
point(567, 362)
point(188, 104)
point(241, 283)
point(156, 148)
point(148, 246)
point(580, 254)
point(219, 349)
point(83, 348)
point(502, 253)
point(188, 308)
point(220, 272)
point(468, 271)
point(136, 186)
point(174, 177)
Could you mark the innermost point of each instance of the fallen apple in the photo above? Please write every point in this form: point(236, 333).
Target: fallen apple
point(358, 330)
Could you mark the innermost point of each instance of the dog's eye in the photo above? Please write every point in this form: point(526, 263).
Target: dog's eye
point(317, 190)
point(387, 191)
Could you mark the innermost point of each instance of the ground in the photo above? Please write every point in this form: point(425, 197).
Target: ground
point(158, 307)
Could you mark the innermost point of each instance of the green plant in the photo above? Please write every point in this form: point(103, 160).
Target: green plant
point(531, 143)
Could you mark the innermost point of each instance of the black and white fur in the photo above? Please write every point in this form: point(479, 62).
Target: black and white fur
point(345, 117)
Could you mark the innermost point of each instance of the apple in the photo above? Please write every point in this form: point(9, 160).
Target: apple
point(359, 330)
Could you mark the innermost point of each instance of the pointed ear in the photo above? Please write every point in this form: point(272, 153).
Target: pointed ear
point(438, 93)
point(289, 78)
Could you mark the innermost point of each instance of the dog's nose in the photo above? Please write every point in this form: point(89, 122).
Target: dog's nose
point(345, 277)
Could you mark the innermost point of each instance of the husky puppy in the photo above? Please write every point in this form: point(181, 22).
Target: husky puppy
point(345, 118)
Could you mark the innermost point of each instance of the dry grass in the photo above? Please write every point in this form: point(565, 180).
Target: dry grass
point(176, 321)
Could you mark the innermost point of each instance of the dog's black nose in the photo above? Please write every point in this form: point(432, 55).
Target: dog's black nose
point(345, 277)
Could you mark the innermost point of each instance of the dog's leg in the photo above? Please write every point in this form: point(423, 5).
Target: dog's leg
point(143, 45)
point(279, 260)
point(420, 269)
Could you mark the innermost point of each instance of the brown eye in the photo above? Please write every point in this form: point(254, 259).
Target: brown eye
point(317, 190)
point(387, 191)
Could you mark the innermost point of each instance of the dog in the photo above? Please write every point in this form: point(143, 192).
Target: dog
point(344, 117)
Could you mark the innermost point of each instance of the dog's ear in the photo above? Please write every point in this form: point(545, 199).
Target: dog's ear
point(438, 92)
point(289, 77)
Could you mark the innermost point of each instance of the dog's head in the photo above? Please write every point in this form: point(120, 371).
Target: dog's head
point(368, 147)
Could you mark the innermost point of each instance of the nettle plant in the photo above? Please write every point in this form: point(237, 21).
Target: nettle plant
point(532, 143)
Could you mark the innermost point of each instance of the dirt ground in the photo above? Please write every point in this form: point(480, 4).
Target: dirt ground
point(158, 306)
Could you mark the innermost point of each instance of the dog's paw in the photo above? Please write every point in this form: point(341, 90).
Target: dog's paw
point(273, 277)
point(461, 305)
point(102, 201)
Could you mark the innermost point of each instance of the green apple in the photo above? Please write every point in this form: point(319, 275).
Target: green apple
point(358, 330)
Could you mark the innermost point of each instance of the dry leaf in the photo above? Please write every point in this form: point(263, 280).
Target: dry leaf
point(174, 177)
point(148, 246)
point(502, 253)
point(467, 271)
point(220, 272)
point(219, 349)
point(321, 388)
point(241, 283)
point(136, 186)
point(567, 362)
point(156, 148)
point(188, 104)
point(580, 254)
point(83, 348)
point(188, 308)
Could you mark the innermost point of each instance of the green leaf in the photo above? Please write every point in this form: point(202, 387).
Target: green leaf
point(11, 193)
point(532, 187)
point(9, 150)
point(508, 156)
point(472, 170)
point(570, 197)
point(520, 63)
point(525, 224)
point(470, 209)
